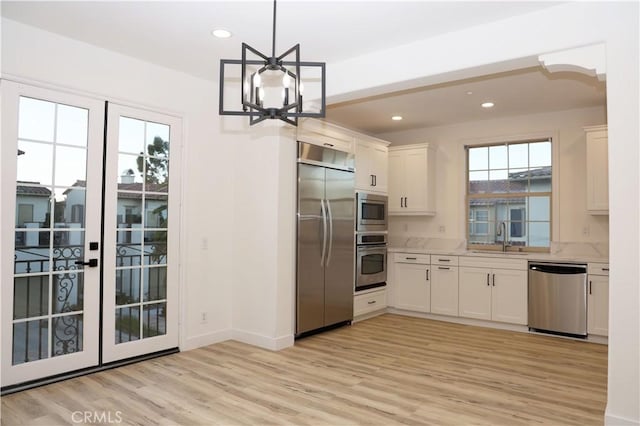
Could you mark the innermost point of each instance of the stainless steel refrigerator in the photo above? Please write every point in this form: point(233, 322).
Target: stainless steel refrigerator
point(325, 238)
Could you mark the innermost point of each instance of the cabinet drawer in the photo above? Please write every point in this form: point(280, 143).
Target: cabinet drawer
point(437, 259)
point(365, 303)
point(493, 262)
point(598, 269)
point(424, 259)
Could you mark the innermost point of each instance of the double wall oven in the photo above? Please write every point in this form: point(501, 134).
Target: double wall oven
point(371, 241)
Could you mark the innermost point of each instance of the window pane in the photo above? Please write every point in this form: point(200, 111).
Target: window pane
point(479, 158)
point(518, 180)
point(498, 157)
point(540, 179)
point(539, 209)
point(540, 154)
point(71, 166)
point(156, 214)
point(154, 322)
point(30, 340)
point(158, 138)
point(498, 181)
point(155, 247)
point(36, 119)
point(519, 155)
point(68, 292)
point(30, 296)
point(478, 182)
point(127, 324)
point(539, 233)
point(156, 173)
point(127, 286)
point(33, 206)
point(128, 248)
point(130, 169)
point(155, 284)
point(66, 334)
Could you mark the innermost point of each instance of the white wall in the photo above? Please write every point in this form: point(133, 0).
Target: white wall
point(566, 127)
point(208, 170)
point(516, 43)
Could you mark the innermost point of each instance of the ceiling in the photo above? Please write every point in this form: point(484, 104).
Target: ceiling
point(177, 35)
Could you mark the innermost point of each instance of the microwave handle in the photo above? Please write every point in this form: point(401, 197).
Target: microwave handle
point(330, 219)
point(324, 232)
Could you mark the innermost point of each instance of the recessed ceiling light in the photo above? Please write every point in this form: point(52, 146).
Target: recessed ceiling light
point(221, 33)
point(487, 105)
point(396, 118)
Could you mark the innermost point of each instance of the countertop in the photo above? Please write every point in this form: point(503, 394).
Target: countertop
point(559, 251)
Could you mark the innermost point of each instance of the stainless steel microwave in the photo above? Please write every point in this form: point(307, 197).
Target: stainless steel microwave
point(371, 212)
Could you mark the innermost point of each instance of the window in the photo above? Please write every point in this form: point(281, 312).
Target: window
point(510, 183)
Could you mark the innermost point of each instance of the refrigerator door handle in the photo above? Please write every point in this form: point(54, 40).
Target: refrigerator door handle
point(324, 232)
point(330, 217)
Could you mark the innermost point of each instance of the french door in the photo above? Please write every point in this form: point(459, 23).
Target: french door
point(89, 231)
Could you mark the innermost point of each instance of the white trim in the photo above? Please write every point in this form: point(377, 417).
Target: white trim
point(271, 343)
point(461, 320)
point(206, 339)
point(613, 420)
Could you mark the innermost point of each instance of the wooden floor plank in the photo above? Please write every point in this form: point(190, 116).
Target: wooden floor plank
point(386, 370)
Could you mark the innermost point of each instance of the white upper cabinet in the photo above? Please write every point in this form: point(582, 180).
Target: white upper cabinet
point(371, 164)
point(597, 170)
point(325, 134)
point(412, 180)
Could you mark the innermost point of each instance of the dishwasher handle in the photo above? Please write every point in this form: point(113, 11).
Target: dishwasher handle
point(558, 268)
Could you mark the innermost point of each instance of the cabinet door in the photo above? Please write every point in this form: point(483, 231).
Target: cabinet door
point(475, 293)
point(380, 167)
point(412, 287)
point(597, 173)
point(509, 296)
point(598, 305)
point(364, 178)
point(396, 181)
point(444, 290)
point(415, 182)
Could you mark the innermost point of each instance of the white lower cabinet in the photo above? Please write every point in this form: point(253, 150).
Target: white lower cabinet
point(412, 287)
point(369, 302)
point(444, 285)
point(598, 299)
point(493, 294)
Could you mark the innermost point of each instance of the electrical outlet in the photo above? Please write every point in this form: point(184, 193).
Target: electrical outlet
point(585, 230)
point(203, 318)
point(441, 229)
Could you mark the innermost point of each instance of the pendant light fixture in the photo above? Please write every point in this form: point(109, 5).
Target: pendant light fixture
point(271, 87)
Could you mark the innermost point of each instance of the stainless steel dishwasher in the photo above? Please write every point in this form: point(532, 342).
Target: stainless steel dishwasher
point(558, 298)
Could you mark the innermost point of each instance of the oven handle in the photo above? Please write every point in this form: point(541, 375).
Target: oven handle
point(330, 232)
point(324, 232)
point(379, 248)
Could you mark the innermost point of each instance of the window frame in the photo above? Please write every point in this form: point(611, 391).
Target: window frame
point(551, 194)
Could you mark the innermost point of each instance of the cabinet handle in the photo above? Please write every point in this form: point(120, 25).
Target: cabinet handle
point(487, 279)
point(375, 180)
point(411, 258)
point(590, 286)
point(494, 280)
point(445, 268)
point(405, 202)
point(605, 269)
point(372, 180)
point(328, 144)
point(373, 302)
point(427, 275)
point(401, 202)
point(444, 260)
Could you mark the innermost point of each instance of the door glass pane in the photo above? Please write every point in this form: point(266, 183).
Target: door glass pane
point(68, 292)
point(30, 341)
point(155, 284)
point(128, 286)
point(36, 119)
point(131, 135)
point(154, 320)
point(30, 296)
point(372, 264)
point(66, 334)
point(67, 248)
point(70, 166)
point(156, 211)
point(32, 252)
point(72, 125)
point(35, 163)
point(128, 248)
point(127, 324)
point(155, 247)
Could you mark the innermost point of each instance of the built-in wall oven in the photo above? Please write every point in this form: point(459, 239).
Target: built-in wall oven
point(371, 260)
point(371, 212)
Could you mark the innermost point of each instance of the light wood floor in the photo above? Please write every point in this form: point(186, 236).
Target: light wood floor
point(386, 370)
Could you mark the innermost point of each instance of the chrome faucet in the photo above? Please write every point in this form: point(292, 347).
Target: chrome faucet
point(502, 231)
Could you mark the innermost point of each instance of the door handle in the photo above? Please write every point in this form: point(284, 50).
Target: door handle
point(92, 263)
point(401, 202)
point(373, 180)
point(330, 219)
point(494, 280)
point(324, 232)
point(427, 275)
point(590, 283)
point(405, 202)
point(487, 279)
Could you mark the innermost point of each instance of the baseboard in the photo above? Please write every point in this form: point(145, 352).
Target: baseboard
point(461, 320)
point(271, 343)
point(206, 339)
point(611, 420)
